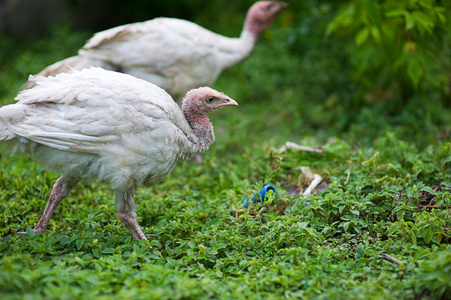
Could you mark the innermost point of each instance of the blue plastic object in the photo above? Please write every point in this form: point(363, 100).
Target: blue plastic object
point(261, 197)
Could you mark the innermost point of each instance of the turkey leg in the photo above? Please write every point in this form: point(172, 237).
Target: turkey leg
point(125, 207)
point(59, 191)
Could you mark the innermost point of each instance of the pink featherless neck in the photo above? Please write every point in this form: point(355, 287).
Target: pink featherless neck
point(251, 25)
point(261, 15)
point(192, 112)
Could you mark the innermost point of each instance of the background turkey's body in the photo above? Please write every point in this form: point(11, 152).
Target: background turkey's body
point(175, 54)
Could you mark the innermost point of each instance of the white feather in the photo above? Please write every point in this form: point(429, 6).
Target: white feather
point(101, 123)
point(175, 54)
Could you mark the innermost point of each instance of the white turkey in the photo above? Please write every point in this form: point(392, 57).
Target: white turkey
point(175, 54)
point(101, 124)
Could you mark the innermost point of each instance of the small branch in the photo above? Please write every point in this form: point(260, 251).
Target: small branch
point(316, 180)
point(390, 258)
point(291, 145)
point(434, 206)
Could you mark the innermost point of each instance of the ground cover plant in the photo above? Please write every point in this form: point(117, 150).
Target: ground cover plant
point(377, 227)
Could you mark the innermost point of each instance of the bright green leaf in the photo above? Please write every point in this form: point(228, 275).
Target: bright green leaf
point(415, 72)
point(360, 251)
point(346, 226)
point(373, 10)
point(362, 36)
point(108, 251)
point(30, 232)
point(439, 237)
point(398, 12)
point(376, 34)
point(427, 235)
point(410, 22)
point(446, 161)
point(422, 21)
point(96, 253)
point(79, 243)
point(413, 237)
point(428, 189)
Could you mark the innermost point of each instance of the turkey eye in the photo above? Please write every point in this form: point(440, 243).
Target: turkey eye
point(209, 100)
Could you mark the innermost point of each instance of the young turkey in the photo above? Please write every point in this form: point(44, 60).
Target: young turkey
point(96, 123)
point(175, 54)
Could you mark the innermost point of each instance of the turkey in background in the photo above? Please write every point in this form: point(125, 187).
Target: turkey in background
point(175, 54)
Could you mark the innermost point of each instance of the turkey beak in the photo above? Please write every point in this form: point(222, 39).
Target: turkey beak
point(226, 101)
point(282, 5)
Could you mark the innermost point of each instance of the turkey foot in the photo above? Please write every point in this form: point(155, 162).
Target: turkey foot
point(132, 225)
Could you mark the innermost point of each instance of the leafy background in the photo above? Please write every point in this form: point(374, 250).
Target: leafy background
point(368, 81)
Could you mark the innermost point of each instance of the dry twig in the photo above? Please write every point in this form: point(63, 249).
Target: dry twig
point(434, 206)
point(291, 145)
point(314, 179)
point(389, 258)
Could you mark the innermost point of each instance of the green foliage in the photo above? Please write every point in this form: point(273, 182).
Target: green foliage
point(435, 275)
point(386, 182)
point(399, 46)
point(203, 243)
point(19, 60)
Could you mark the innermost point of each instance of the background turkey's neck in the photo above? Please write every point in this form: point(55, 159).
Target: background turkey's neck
point(234, 50)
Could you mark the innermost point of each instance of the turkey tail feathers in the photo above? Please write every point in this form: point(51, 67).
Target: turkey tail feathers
point(59, 67)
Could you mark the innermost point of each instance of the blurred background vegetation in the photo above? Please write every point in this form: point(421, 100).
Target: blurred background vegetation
point(348, 69)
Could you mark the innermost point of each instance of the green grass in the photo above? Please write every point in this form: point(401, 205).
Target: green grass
point(386, 189)
point(203, 243)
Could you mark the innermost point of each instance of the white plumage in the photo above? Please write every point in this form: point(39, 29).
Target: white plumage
point(96, 123)
point(175, 54)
